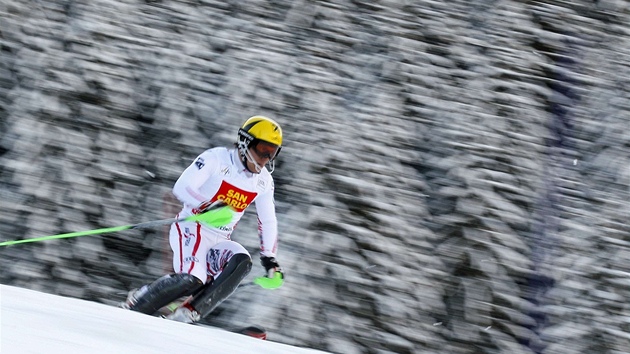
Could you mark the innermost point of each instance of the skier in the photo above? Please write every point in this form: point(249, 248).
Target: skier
point(207, 264)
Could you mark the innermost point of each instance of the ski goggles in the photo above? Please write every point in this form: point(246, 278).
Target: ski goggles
point(266, 150)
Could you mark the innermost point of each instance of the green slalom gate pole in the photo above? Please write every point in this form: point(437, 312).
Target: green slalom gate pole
point(215, 218)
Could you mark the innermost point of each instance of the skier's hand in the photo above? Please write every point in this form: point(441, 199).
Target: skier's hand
point(213, 214)
point(271, 266)
point(207, 206)
point(275, 276)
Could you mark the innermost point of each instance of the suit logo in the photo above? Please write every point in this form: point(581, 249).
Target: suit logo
point(188, 236)
point(237, 198)
point(199, 162)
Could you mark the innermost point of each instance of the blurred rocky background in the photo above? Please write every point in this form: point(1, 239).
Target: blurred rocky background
point(455, 177)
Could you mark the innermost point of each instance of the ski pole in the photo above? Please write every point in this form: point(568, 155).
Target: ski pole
point(273, 282)
point(215, 217)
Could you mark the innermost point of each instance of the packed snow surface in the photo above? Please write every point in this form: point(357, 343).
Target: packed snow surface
point(35, 322)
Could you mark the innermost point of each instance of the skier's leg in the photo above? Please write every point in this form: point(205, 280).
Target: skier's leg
point(150, 298)
point(190, 248)
point(228, 263)
point(189, 251)
point(223, 286)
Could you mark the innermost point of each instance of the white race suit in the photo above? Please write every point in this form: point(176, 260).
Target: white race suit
point(219, 174)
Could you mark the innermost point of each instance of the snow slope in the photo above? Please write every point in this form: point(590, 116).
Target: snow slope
point(35, 322)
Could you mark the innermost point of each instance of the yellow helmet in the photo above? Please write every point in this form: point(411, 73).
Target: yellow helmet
point(259, 129)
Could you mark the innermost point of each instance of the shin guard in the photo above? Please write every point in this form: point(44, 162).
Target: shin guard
point(223, 286)
point(163, 291)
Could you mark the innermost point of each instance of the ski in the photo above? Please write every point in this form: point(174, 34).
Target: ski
point(254, 331)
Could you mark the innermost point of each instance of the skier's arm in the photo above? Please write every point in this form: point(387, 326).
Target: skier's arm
point(187, 187)
point(267, 223)
point(268, 233)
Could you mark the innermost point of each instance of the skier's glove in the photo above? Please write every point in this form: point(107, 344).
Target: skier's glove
point(275, 276)
point(207, 206)
point(215, 214)
point(271, 266)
